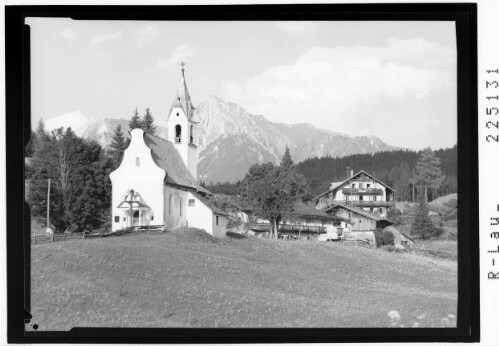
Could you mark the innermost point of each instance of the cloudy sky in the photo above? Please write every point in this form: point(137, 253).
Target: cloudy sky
point(394, 80)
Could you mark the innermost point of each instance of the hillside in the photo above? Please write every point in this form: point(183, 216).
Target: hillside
point(393, 168)
point(188, 279)
point(234, 140)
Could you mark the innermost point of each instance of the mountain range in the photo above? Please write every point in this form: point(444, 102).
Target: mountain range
point(231, 140)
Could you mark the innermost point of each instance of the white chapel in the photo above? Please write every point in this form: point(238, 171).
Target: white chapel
point(156, 182)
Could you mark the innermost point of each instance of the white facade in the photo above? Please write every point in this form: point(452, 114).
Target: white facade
point(182, 133)
point(139, 173)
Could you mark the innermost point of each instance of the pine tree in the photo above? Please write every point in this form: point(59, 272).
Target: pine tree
point(286, 160)
point(422, 226)
point(135, 122)
point(118, 146)
point(427, 172)
point(148, 123)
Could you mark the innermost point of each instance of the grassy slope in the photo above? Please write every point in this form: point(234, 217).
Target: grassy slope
point(441, 200)
point(192, 280)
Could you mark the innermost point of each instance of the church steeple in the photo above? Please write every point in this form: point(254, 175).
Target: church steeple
point(182, 128)
point(182, 98)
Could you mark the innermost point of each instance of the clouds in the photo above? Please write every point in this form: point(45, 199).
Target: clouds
point(105, 37)
point(348, 85)
point(180, 53)
point(74, 119)
point(70, 35)
point(296, 27)
point(146, 35)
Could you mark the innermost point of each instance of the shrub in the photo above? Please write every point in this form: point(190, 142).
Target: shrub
point(384, 237)
point(388, 238)
point(395, 215)
point(422, 226)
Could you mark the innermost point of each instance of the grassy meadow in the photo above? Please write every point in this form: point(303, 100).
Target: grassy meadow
point(186, 278)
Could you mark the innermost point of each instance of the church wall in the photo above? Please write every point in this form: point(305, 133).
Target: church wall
point(174, 207)
point(137, 171)
point(193, 161)
point(220, 229)
point(201, 216)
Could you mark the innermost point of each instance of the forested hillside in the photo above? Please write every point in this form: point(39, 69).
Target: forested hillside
point(394, 168)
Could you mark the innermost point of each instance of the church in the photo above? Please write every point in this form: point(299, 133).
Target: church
point(156, 182)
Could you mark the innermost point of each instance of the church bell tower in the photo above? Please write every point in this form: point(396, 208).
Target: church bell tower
point(181, 126)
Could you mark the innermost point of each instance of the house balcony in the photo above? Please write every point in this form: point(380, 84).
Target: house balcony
point(367, 204)
point(265, 227)
point(358, 191)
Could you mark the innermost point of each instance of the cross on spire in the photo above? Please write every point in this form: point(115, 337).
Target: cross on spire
point(183, 69)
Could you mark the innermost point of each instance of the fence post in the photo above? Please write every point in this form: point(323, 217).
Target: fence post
point(53, 234)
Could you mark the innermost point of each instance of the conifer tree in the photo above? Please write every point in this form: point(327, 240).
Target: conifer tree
point(427, 172)
point(287, 161)
point(118, 146)
point(148, 123)
point(135, 122)
point(422, 226)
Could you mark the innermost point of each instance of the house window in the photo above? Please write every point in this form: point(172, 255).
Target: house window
point(216, 220)
point(178, 133)
point(368, 185)
point(404, 242)
point(152, 217)
point(137, 161)
point(116, 219)
point(192, 202)
point(361, 198)
point(177, 113)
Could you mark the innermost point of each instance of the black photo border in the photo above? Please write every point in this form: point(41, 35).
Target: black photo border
point(18, 132)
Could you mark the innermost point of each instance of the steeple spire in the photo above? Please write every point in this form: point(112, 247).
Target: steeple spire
point(182, 98)
point(182, 69)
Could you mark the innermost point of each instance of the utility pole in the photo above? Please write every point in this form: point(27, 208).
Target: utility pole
point(48, 207)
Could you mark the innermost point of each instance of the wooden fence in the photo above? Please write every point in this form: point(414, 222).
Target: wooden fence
point(37, 239)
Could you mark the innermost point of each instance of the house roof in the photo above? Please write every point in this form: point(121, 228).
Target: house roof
point(305, 210)
point(300, 209)
point(336, 185)
point(182, 98)
point(358, 211)
point(405, 235)
point(167, 158)
point(209, 204)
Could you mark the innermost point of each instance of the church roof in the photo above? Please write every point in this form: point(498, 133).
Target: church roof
point(182, 98)
point(167, 158)
point(209, 204)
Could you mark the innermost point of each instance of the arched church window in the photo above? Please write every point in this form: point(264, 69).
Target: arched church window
point(178, 133)
point(170, 202)
point(192, 135)
point(137, 161)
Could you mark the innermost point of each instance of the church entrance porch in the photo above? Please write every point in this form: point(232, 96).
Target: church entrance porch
point(134, 211)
